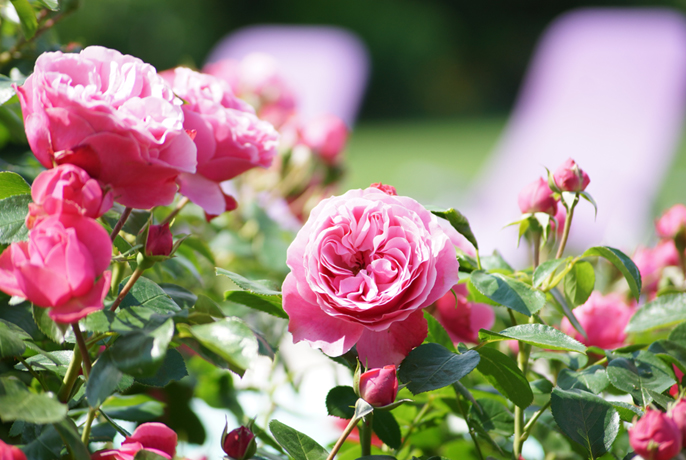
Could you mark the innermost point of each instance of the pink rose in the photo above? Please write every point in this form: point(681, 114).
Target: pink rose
point(362, 269)
point(537, 197)
point(570, 178)
point(655, 436)
point(9, 452)
point(154, 435)
point(239, 444)
point(72, 185)
point(326, 136)
point(61, 266)
point(160, 241)
point(678, 414)
point(462, 319)
point(379, 387)
point(651, 261)
point(603, 318)
point(127, 451)
point(672, 222)
point(229, 137)
point(113, 116)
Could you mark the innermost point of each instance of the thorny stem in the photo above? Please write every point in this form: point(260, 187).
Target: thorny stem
point(344, 436)
point(366, 434)
point(129, 284)
point(568, 224)
point(183, 202)
point(85, 359)
point(70, 377)
point(87, 427)
point(120, 223)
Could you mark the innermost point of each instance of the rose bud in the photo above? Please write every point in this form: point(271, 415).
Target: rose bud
point(678, 414)
point(379, 387)
point(156, 436)
point(655, 436)
point(326, 135)
point(159, 241)
point(9, 452)
point(239, 444)
point(672, 222)
point(537, 197)
point(570, 178)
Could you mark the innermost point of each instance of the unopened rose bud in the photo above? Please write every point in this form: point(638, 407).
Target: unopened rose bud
point(672, 222)
point(154, 435)
point(160, 241)
point(387, 189)
point(379, 387)
point(326, 135)
point(655, 436)
point(678, 414)
point(537, 197)
point(9, 452)
point(570, 178)
point(239, 444)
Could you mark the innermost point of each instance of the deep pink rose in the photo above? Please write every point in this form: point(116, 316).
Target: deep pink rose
point(61, 266)
point(229, 136)
point(160, 241)
point(570, 178)
point(72, 185)
point(113, 116)
point(239, 444)
point(326, 136)
point(463, 319)
point(362, 269)
point(127, 451)
point(678, 414)
point(651, 261)
point(9, 452)
point(154, 435)
point(537, 197)
point(603, 318)
point(672, 222)
point(379, 387)
point(655, 436)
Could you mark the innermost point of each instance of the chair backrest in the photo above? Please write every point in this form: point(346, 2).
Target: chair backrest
point(607, 88)
point(326, 66)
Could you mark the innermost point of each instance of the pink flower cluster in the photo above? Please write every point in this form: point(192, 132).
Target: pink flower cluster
point(658, 435)
point(604, 319)
point(153, 436)
point(538, 197)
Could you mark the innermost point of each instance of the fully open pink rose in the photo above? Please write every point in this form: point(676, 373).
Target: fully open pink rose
point(651, 261)
point(570, 178)
point(655, 436)
point(463, 319)
point(326, 136)
point(537, 197)
point(603, 318)
point(113, 116)
point(672, 222)
point(229, 136)
point(362, 269)
point(61, 266)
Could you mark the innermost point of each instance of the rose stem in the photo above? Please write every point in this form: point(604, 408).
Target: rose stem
point(366, 434)
point(87, 427)
point(537, 248)
point(84, 349)
point(568, 224)
point(129, 284)
point(472, 433)
point(184, 201)
point(478, 259)
point(422, 412)
point(120, 223)
point(534, 418)
point(344, 436)
point(71, 376)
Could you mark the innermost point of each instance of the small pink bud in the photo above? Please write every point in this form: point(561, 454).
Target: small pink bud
point(387, 189)
point(379, 387)
point(9, 452)
point(570, 178)
point(678, 414)
point(156, 436)
point(160, 241)
point(537, 197)
point(655, 436)
point(239, 444)
point(326, 135)
point(672, 222)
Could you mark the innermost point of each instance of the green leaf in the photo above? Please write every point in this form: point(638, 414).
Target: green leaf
point(12, 339)
point(431, 366)
point(664, 311)
point(229, 338)
point(386, 428)
point(298, 445)
point(639, 374)
point(54, 361)
point(496, 262)
point(539, 335)
point(18, 403)
point(559, 301)
point(146, 293)
point(586, 196)
point(541, 387)
point(133, 408)
point(103, 380)
point(670, 352)
point(546, 269)
point(47, 445)
point(12, 184)
point(72, 439)
point(494, 416)
point(181, 296)
point(27, 17)
point(270, 304)
point(593, 379)
point(13, 211)
point(508, 292)
point(678, 334)
point(503, 373)
point(141, 353)
point(55, 332)
point(587, 419)
point(340, 402)
point(459, 223)
point(622, 263)
point(579, 283)
point(144, 454)
point(173, 368)
point(52, 5)
point(247, 285)
point(208, 306)
point(626, 411)
point(437, 334)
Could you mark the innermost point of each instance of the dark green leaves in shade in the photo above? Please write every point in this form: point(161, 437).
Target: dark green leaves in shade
point(508, 292)
point(664, 311)
point(538, 335)
point(103, 380)
point(493, 416)
point(670, 352)
point(579, 283)
point(173, 368)
point(144, 454)
point(640, 376)
point(12, 339)
point(503, 373)
point(247, 285)
point(431, 366)
point(140, 353)
point(437, 334)
point(13, 211)
point(592, 379)
point(622, 263)
point(55, 332)
point(587, 419)
point(386, 428)
point(69, 434)
point(12, 184)
point(134, 408)
point(573, 361)
point(146, 293)
point(18, 403)
point(340, 402)
point(298, 445)
point(459, 223)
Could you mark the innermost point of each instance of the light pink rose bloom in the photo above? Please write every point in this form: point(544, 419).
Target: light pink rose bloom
point(463, 319)
point(229, 137)
point(678, 414)
point(655, 436)
point(154, 435)
point(651, 261)
point(379, 387)
point(362, 269)
point(603, 318)
point(72, 185)
point(113, 116)
point(570, 178)
point(671, 222)
point(61, 266)
point(537, 197)
point(326, 136)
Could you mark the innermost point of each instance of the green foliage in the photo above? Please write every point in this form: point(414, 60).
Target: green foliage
point(298, 445)
point(431, 366)
point(12, 184)
point(11, 339)
point(27, 17)
point(640, 375)
point(13, 211)
point(579, 283)
point(593, 379)
point(508, 292)
point(340, 402)
point(538, 335)
point(664, 311)
point(505, 376)
point(622, 263)
point(493, 416)
point(437, 334)
point(103, 380)
point(459, 222)
point(18, 403)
